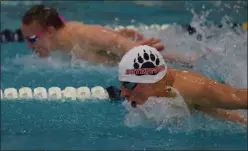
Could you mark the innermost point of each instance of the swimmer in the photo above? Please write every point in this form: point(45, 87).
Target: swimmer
point(44, 30)
point(143, 73)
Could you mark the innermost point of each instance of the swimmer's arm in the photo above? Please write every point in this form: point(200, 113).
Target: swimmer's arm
point(108, 40)
point(185, 61)
point(131, 33)
point(175, 57)
point(232, 115)
point(224, 96)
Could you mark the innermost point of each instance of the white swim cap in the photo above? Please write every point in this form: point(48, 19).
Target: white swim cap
point(142, 64)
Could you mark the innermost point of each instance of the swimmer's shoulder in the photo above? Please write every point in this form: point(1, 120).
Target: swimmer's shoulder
point(69, 34)
point(174, 71)
point(80, 26)
point(73, 25)
point(188, 73)
point(72, 28)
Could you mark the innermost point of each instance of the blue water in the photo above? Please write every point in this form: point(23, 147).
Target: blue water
point(95, 124)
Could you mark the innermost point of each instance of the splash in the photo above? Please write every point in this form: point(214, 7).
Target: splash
point(174, 115)
point(57, 60)
point(224, 49)
point(228, 55)
point(160, 112)
point(225, 59)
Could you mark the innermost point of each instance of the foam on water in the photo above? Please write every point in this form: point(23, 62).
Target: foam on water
point(174, 115)
point(59, 62)
point(160, 112)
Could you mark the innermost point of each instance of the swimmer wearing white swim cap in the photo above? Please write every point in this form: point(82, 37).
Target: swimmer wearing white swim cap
point(144, 73)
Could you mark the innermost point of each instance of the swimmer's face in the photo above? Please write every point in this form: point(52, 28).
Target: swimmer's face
point(38, 38)
point(137, 93)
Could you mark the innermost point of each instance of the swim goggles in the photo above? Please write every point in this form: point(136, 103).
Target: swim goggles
point(33, 39)
point(129, 85)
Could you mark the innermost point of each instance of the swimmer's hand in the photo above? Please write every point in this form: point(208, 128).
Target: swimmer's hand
point(171, 92)
point(153, 42)
point(138, 37)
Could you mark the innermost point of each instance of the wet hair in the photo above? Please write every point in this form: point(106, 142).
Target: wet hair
point(46, 16)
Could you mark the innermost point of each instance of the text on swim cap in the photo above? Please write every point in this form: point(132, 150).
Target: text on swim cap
point(145, 71)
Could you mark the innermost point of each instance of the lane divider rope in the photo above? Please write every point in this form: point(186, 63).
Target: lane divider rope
point(55, 93)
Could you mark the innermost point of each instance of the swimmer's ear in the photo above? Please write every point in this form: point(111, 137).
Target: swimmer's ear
point(172, 93)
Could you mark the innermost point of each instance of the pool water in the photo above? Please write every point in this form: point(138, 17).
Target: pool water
point(100, 124)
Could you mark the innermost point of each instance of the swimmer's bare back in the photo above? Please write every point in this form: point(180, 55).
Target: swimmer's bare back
point(200, 90)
